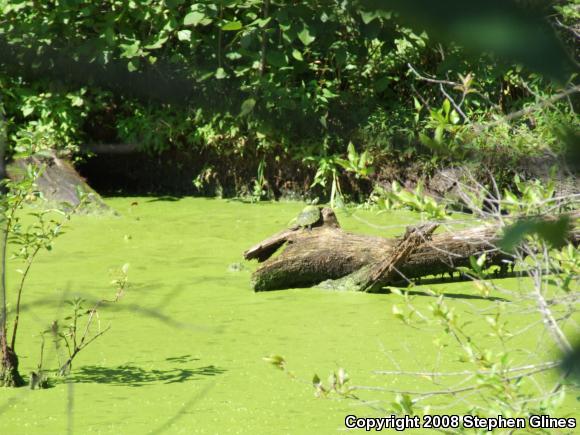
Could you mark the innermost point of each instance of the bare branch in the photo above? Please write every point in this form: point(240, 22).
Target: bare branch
point(569, 28)
point(545, 365)
point(481, 126)
point(453, 391)
point(431, 80)
point(455, 105)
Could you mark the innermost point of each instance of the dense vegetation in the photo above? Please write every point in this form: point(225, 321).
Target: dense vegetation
point(271, 93)
point(332, 99)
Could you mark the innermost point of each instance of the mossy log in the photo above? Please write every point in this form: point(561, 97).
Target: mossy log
point(367, 263)
point(59, 183)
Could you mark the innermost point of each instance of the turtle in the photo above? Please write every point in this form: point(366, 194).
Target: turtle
point(307, 217)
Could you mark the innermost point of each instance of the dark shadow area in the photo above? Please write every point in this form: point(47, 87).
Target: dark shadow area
point(165, 198)
point(435, 280)
point(138, 174)
point(457, 278)
point(456, 296)
point(172, 172)
point(133, 376)
point(181, 359)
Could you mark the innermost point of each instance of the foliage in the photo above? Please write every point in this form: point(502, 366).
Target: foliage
point(14, 196)
point(267, 81)
point(76, 336)
point(497, 376)
point(27, 241)
point(417, 200)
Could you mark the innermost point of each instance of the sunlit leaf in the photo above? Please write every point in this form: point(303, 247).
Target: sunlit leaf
point(184, 35)
point(297, 55)
point(232, 26)
point(220, 74)
point(247, 107)
point(305, 36)
point(193, 18)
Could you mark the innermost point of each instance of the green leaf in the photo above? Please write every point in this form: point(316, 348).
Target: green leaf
point(332, 379)
point(454, 117)
point(233, 55)
point(342, 376)
point(352, 155)
point(247, 107)
point(446, 106)
point(514, 30)
point(305, 36)
point(27, 110)
point(75, 100)
point(232, 26)
point(367, 17)
point(184, 35)
point(220, 74)
point(276, 360)
point(297, 55)
point(276, 58)
point(396, 291)
point(405, 402)
point(438, 136)
point(553, 232)
point(130, 50)
point(382, 83)
point(133, 65)
point(194, 18)
point(481, 260)
point(418, 105)
point(398, 313)
point(474, 266)
point(157, 44)
point(328, 94)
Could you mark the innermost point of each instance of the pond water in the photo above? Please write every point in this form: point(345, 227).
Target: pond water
point(185, 348)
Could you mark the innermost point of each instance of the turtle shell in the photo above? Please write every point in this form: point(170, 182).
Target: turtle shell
point(309, 216)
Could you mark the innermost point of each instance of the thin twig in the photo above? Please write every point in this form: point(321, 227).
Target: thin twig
point(450, 391)
point(455, 105)
point(432, 80)
point(504, 119)
point(570, 29)
point(549, 364)
point(549, 320)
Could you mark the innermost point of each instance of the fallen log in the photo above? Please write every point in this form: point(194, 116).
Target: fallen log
point(60, 184)
point(332, 258)
point(387, 270)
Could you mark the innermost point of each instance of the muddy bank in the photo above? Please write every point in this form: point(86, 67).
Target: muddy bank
point(177, 172)
point(278, 176)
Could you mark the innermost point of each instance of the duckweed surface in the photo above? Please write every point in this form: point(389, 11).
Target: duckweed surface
point(185, 348)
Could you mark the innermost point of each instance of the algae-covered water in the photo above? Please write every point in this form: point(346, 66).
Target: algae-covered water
point(185, 350)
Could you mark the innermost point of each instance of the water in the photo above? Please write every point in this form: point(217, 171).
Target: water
point(185, 348)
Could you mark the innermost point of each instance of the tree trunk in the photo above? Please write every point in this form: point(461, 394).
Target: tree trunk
point(367, 263)
point(9, 375)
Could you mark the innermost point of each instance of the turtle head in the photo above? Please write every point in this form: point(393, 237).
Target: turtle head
point(329, 218)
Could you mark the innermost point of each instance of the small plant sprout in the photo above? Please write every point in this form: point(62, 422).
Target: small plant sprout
point(84, 324)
